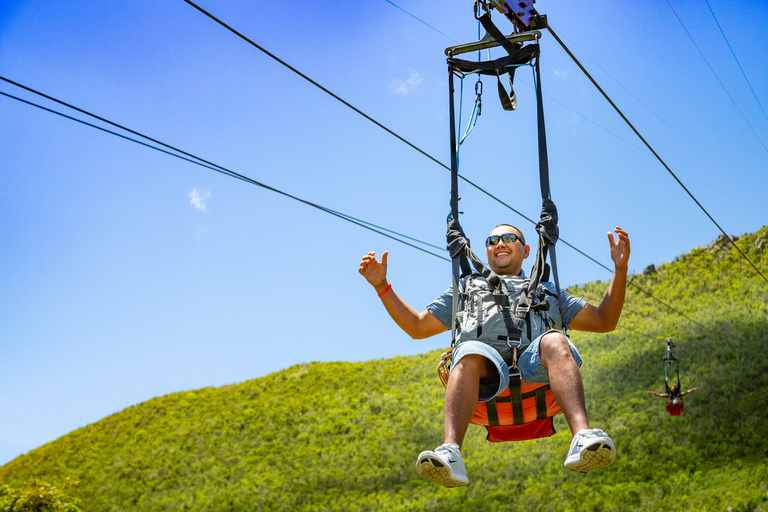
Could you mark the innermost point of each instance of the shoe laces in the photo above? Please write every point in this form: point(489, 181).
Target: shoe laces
point(448, 449)
point(595, 432)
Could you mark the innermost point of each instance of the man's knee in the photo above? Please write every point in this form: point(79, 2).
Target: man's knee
point(479, 366)
point(554, 346)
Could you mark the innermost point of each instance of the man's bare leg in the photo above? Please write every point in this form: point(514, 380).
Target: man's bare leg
point(565, 379)
point(590, 448)
point(462, 393)
point(445, 465)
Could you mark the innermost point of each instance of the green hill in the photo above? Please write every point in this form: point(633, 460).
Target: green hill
point(345, 436)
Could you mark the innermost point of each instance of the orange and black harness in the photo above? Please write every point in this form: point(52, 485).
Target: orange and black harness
point(522, 411)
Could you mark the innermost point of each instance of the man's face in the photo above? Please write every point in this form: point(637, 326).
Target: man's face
point(507, 258)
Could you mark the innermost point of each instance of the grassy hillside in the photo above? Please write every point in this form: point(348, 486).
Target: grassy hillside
point(345, 436)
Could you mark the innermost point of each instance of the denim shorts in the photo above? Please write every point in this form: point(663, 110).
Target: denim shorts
point(529, 363)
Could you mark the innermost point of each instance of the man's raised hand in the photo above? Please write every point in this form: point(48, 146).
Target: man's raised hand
point(620, 249)
point(373, 271)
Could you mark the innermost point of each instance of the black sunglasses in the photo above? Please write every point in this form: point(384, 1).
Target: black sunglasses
point(507, 238)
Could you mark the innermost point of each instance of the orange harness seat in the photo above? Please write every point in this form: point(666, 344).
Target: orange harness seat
point(522, 411)
point(675, 410)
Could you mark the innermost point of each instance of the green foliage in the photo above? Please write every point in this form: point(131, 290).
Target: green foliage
point(37, 496)
point(345, 436)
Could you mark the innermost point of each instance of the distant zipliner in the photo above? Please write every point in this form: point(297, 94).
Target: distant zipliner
point(673, 395)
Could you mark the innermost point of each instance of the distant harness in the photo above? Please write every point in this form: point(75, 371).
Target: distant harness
point(671, 370)
point(524, 410)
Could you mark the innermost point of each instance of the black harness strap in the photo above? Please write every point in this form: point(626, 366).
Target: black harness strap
point(493, 413)
point(516, 397)
point(547, 226)
point(541, 401)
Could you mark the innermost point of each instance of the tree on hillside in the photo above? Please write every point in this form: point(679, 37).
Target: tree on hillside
point(37, 496)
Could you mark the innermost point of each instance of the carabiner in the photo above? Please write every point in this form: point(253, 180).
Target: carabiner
point(486, 9)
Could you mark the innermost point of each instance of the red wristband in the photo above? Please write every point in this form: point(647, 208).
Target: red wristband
point(386, 289)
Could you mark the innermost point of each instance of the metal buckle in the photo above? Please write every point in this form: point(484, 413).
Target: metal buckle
point(442, 367)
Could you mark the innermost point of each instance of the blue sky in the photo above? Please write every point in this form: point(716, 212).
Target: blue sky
point(127, 274)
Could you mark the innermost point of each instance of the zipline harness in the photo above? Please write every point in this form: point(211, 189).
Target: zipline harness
point(524, 410)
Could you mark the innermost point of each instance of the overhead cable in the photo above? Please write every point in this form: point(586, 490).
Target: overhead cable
point(647, 293)
point(423, 152)
point(646, 144)
point(628, 91)
point(657, 116)
point(214, 167)
point(717, 77)
point(654, 152)
point(305, 77)
point(188, 157)
point(421, 21)
point(736, 59)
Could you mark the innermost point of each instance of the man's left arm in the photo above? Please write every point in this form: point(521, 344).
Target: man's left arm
point(605, 317)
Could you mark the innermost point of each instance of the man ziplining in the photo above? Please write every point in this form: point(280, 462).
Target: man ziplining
point(480, 367)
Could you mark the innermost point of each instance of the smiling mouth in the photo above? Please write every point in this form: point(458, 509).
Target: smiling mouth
point(502, 253)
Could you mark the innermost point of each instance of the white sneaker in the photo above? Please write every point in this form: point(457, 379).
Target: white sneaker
point(444, 466)
point(590, 449)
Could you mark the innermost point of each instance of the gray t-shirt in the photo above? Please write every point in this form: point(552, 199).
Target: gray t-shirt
point(494, 334)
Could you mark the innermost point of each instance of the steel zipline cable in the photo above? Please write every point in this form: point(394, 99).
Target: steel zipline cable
point(717, 77)
point(188, 157)
point(214, 18)
point(573, 57)
point(438, 162)
point(562, 44)
point(734, 58)
point(362, 223)
point(183, 155)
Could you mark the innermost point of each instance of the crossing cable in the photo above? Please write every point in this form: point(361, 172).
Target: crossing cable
point(737, 60)
point(620, 85)
point(630, 283)
point(639, 136)
point(617, 82)
point(214, 167)
point(648, 294)
point(652, 151)
point(188, 157)
point(717, 77)
point(407, 142)
point(438, 162)
point(421, 21)
point(621, 326)
point(657, 116)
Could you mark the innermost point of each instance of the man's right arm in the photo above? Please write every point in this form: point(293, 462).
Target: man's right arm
point(416, 325)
